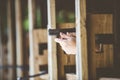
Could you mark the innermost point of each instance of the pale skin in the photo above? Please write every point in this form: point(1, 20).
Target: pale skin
point(67, 42)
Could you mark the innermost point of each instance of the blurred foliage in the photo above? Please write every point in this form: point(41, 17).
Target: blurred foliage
point(26, 24)
point(26, 20)
point(62, 17)
point(71, 17)
point(65, 16)
point(38, 17)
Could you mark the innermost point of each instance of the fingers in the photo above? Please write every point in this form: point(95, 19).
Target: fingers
point(67, 42)
point(58, 40)
point(64, 38)
point(62, 35)
point(67, 35)
point(72, 34)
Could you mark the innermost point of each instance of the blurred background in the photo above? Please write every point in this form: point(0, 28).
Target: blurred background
point(21, 55)
point(14, 33)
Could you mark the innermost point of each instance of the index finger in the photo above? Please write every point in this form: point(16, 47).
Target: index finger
point(62, 35)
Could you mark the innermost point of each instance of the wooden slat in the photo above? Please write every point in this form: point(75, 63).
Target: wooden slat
point(3, 45)
point(39, 37)
point(99, 24)
point(81, 55)
point(1, 51)
point(11, 50)
point(19, 40)
point(52, 57)
point(32, 65)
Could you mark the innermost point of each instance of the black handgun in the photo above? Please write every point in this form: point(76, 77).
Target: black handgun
point(57, 31)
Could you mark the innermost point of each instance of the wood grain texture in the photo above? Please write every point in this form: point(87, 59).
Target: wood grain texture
point(19, 37)
point(39, 36)
point(63, 58)
point(52, 55)
point(99, 24)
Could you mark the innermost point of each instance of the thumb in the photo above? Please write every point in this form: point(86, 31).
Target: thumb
point(57, 40)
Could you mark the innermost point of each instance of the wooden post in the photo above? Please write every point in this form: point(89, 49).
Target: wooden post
point(99, 59)
point(19, 40)
point(11, 53)
point(2, 42)
point(81, 55)
point(1, 52)
point(32, 66)
point(52, 56)
point(40, 51)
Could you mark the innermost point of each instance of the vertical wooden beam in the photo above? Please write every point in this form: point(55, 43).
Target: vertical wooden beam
point(3, 36)
point(19, 40)
point(40, 52)
point(31, 8)
point(52, 57)
point(61, 67)
point(10, 40)
point(81, 55)
point(116, 29)
point(1, 51)
point(102, 59)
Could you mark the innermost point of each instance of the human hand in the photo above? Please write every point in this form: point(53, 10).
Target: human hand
point(67, 42)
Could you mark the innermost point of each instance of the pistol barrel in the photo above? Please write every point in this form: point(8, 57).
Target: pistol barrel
point(57, 31)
